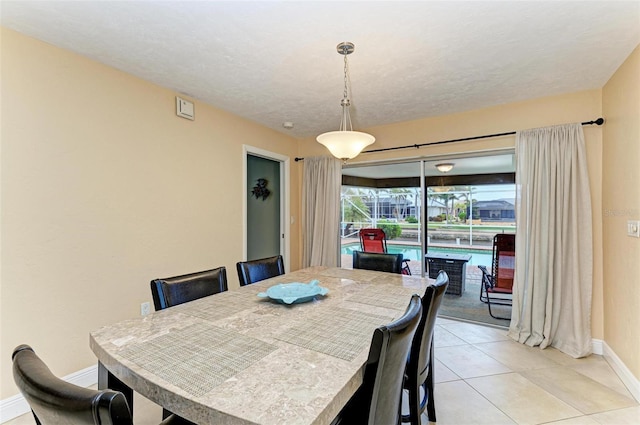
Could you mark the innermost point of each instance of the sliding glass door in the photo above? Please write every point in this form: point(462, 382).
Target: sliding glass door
point(388, 197)
point(426, 213)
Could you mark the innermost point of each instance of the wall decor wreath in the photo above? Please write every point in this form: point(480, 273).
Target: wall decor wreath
point(260, 190)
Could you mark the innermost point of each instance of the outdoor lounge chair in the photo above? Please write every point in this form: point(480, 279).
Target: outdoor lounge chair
point(375, 240)
point(497, 286)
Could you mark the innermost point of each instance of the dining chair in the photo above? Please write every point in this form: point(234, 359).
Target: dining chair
point(253, 271)
point(176, 290)
point(420, 367)
point(171, 291)
point(54, 401)
point(390, 263)
point(375, 240)
point(378, 399)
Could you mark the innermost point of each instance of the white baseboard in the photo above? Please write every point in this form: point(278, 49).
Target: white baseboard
point(15, 406)
point(631, 382)
point(596, 346)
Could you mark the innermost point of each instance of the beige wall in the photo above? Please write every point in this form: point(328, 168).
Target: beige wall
point(103, 189)
point(574, 107)
point(621, 202)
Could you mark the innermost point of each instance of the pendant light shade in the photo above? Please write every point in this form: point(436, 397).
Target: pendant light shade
point(345, 143)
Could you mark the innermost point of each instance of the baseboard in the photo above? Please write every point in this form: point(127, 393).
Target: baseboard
point(596, 346)
point(631, 382)
point(15, 406)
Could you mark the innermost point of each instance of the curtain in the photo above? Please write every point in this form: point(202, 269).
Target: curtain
point(321, 211)
point(553, 276)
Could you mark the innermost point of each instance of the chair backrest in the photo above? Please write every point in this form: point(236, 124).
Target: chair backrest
point(176, 290)
point(256, 270)
point(503, 263)
point(57, 402)
point(390, 263)
point(384, 372)
point(421, 356)
point(373, 240)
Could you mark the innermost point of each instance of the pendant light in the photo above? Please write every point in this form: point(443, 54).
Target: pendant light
point(345, 143)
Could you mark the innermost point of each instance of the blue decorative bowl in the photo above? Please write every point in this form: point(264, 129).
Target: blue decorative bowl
point(294, 293)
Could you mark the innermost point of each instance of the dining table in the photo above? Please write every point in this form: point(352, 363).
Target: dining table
point(239, 357)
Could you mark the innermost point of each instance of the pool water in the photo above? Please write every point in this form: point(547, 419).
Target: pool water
point(411, 252)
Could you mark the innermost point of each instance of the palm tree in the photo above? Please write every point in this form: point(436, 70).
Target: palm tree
point(464, 197)
point(417, 199)
point(370, 196)
point(446, 197)
point(399, 196)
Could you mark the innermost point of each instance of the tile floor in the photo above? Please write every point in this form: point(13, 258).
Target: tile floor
point(483, 377)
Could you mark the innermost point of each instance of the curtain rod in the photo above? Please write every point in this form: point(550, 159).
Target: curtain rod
point(598, 121)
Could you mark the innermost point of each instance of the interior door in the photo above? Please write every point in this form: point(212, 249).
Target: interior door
point(264, 235)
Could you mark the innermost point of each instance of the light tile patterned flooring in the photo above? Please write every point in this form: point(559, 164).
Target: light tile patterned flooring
point(483, 377)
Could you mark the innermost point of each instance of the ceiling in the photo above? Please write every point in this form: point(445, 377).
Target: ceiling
point(275, 62)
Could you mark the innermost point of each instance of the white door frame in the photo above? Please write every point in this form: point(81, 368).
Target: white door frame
point(285, 204)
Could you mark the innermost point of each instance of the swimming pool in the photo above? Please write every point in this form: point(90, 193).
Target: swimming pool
point(412, 252)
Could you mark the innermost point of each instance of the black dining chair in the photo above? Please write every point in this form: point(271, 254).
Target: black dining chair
point(419, 371)
point(378, 399)
point(390, 263)
point(253, 271)
point(54, 401)
point(176, 290)
point(171, 291)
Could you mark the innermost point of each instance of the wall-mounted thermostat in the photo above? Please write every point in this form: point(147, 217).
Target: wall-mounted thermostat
point(184, 109)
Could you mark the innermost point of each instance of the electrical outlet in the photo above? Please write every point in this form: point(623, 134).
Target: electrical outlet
point(633, 228)
point(145, 308)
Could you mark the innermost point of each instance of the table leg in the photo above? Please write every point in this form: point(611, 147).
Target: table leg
point(107, 380)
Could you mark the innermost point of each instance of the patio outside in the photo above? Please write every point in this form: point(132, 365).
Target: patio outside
point(464, 218)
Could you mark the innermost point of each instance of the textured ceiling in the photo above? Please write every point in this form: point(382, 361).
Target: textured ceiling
point(273, 62)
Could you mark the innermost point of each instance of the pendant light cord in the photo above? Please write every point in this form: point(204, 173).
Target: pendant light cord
point(345, 122)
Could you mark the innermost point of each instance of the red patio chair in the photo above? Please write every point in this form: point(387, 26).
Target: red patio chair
point(375, 240)
point(498, 285)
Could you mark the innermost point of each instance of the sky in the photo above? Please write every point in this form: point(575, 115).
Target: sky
point(491, 192)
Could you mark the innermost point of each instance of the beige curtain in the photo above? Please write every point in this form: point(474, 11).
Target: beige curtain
point(321, 211)
point(553, 277)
